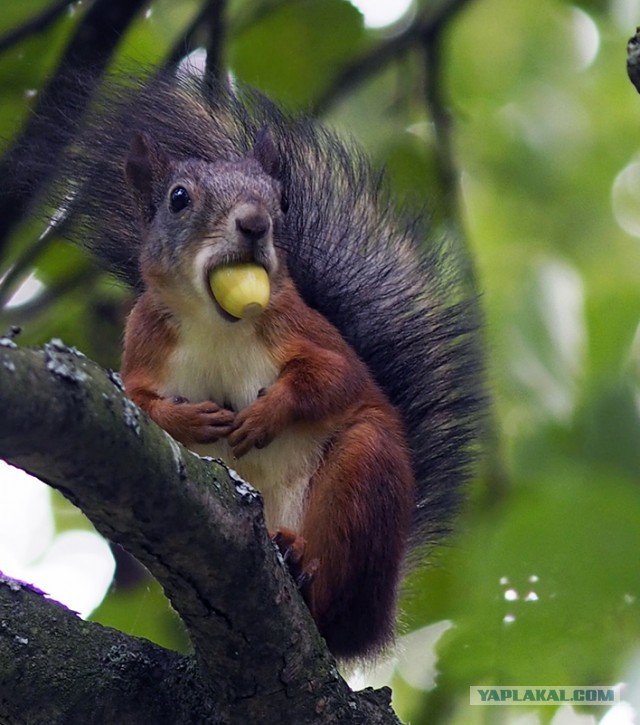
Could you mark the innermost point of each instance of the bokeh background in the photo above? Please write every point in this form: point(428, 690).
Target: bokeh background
point(515, 126)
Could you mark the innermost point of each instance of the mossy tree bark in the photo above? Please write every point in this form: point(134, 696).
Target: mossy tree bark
point(257, 656)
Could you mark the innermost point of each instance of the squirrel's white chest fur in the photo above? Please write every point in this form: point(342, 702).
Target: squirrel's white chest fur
point(228, 364)
point(225, 363)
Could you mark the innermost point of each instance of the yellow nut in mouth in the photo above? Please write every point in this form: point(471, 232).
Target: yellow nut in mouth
point(241, 289)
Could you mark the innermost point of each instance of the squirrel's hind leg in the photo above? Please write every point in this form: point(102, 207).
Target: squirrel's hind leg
point(355, 529)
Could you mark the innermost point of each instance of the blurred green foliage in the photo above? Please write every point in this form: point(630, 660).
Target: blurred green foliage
point(541, 583)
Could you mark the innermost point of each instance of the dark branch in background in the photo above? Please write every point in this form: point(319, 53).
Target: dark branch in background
point(446, 167)
point(495, 475)
point(214, 68)
point(27, 260)
point(199, 530)
point(387, 51)
point(200, 25)
point(633, 59)
point(363, 68)
point(35, 25)
point(445, 13)
point(89, 51)
point(52, 294)
point(441, 119)
point(426, 33)
point(16, 274)
point(209, 23)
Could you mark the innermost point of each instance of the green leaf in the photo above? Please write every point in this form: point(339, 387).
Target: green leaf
point(547, 589)
point(297, 49)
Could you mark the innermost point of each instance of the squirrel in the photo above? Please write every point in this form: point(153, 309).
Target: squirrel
point(352, 401)
point(282, 398)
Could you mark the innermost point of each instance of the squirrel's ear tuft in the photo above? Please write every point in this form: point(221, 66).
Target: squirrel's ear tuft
point(144, 168)
point(266, 152)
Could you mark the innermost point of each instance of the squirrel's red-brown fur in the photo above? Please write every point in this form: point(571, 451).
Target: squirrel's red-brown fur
point(353, 532)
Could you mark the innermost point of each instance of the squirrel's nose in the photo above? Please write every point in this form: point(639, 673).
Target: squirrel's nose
point(252, 222)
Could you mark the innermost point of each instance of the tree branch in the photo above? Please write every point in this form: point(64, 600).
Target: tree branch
point(51, 662)
point(95, 39)
point(370, 63)
point(20, 314)
point(437, 107)
point(195, 526)
point(34, 25)
point(214, 67)
point(633, 59)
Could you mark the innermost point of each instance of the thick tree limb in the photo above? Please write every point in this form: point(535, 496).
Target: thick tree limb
point(257, 655)
point(46, 651)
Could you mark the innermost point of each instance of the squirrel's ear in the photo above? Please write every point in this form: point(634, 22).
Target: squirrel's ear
point(266, 152)
point(144, 168)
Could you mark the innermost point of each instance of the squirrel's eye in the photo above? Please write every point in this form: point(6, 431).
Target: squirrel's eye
point(284, 203)
point(179, 199)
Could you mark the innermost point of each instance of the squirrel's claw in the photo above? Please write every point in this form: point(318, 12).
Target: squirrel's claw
point(249, 431)
point(189, 423)
point(291, 546)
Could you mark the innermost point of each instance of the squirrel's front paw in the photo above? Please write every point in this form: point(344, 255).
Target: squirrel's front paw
point(190, 423)
point(253, 428)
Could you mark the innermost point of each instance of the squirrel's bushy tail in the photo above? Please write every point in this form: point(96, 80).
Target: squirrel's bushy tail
point(379, 278)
